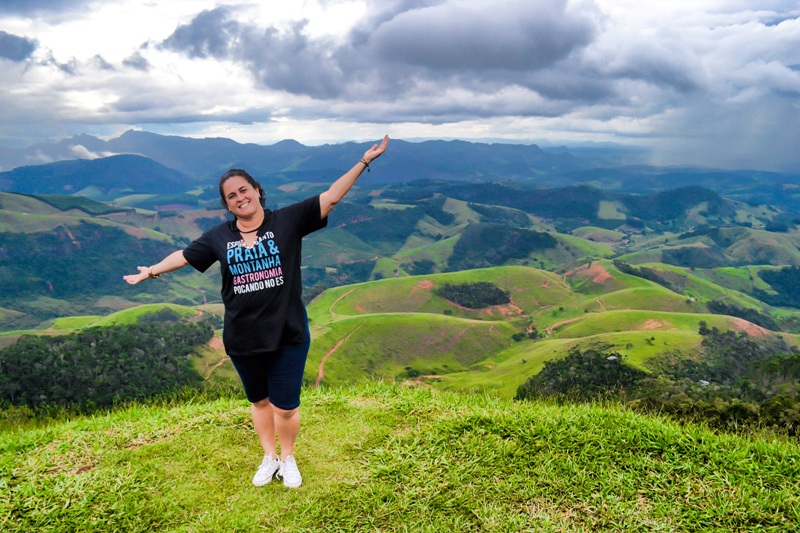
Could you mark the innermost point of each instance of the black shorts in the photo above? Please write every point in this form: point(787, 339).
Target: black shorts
point(275, 375)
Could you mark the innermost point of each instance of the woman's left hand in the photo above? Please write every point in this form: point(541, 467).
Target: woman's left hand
point(377, 149)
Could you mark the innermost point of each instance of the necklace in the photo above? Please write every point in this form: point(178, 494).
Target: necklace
point(244, 232)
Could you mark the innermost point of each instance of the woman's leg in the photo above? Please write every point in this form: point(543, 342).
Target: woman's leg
point(285, 384)
point(287, 425)
point(264, 418)
point(270, 421)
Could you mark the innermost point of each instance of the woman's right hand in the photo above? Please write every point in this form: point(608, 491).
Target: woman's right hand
point(133, 279)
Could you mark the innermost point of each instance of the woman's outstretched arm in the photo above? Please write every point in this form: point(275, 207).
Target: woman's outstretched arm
point(172, 262)
point(331, 197)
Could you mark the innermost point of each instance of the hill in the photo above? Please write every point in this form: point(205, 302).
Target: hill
point(106, 176)
point(65, 255)
point(388, 458)
point(402, 329)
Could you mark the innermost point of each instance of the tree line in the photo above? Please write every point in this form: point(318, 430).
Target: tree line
point(473, 295)
point(735, 383)
point(101, 366)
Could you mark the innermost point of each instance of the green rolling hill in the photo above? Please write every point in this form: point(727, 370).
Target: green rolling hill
point(401, 329)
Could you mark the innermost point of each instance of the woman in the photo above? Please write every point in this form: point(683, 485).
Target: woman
point(266, 328)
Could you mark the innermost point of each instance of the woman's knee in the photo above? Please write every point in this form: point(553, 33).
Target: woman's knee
point(262, 404)
point(286, 414)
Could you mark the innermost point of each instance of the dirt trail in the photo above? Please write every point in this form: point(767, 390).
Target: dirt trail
point(216, 344)
point(551, 327)
point(210, 368)
point(330, 309)
point(321, 367)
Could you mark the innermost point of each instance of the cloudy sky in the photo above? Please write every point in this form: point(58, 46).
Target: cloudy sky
point(709, 82)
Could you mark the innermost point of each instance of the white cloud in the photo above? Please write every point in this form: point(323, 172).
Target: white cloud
point(691, 78)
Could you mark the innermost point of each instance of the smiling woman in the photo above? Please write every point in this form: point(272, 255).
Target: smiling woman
point(266, 331)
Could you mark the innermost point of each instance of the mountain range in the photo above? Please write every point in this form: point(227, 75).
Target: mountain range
point(89, 164)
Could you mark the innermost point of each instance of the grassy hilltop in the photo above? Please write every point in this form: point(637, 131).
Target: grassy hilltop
point(400, 328)
point(383, 457)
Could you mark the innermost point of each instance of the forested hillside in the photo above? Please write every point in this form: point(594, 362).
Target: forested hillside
point(101, 366)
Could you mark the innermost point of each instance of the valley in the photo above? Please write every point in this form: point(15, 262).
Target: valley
point(637, 271)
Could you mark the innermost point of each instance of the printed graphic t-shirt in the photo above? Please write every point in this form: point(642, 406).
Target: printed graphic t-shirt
point(261, 285)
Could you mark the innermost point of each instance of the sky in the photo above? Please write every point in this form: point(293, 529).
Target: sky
point(694, 82)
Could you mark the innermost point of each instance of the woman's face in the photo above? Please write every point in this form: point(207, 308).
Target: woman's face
point(241, 198)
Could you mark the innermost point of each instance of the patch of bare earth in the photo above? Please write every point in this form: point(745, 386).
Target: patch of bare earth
point(424, 285)
point(137, 233)
point(748, 327)
point(594, 271)
point(652, 324)
point(508, 310)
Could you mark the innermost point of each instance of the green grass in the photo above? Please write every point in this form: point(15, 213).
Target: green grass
point(386, 345)
point(126, 316)
point(71, 323)
point(387, 458)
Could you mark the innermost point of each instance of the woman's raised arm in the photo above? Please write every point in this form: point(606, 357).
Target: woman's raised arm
point(172, 262)
point(331, 197)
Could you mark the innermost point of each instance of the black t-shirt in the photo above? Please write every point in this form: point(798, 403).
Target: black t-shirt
point(261, 286)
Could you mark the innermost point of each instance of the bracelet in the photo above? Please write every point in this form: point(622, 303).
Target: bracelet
point(150, 273)
point(365, 163)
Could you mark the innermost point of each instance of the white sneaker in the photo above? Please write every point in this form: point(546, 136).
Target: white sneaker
point(266, 471)
point(290, 474)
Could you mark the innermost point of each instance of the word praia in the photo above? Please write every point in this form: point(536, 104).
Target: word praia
point(250, 260)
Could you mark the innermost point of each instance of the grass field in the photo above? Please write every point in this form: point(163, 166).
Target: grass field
point(380, 457)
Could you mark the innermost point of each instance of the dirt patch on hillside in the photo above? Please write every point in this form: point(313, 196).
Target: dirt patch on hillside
point(134, 232)
point(216, 343)
point(599, 274)
point(594, 271)
point(748, 327)
point(508, 310)
point(424, 285)
point(652, 324)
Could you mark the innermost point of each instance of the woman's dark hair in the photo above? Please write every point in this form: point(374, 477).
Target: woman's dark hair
point(239, 172)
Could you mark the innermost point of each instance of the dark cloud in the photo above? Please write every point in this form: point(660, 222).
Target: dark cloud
point(15, 48)
point(483, 36)
point(658, 65)
point(137, 61)
point(283, 60)
point(412, 44)
point(210, 34)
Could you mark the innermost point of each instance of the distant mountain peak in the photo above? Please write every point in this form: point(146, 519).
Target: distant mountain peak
point(288, 145)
